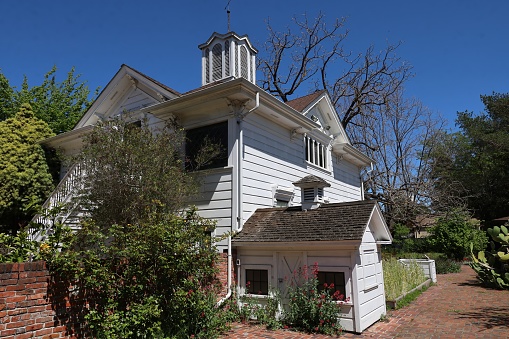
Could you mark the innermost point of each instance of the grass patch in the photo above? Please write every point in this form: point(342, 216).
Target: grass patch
point(410, 297)
point(400, 278)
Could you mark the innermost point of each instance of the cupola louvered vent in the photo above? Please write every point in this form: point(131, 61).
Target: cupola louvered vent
point(226, 55)
point(227, 58)
point(312, 193)
point(217, 69)
point(243, 63)
point(207, 67)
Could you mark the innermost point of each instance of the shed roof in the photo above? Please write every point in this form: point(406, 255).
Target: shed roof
point(329, 222)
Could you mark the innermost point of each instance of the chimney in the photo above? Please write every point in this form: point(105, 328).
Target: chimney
point(311, 188)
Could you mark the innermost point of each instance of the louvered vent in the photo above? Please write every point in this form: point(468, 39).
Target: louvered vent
point(309, 194)
point(217, 69)
point(319, 193)
point(243, 62)
point(236, 65)
point(207, 66)
point(227, 58)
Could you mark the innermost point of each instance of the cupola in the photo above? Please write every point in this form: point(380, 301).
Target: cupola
point(311, 188)
point(228, 55)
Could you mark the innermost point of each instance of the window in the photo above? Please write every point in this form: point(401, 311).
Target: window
point(207, 147)
point(336, 278)
point(316, 152)
point(257, 282)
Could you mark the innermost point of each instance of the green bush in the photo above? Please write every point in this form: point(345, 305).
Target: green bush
point(453, 236)
point(446, 265)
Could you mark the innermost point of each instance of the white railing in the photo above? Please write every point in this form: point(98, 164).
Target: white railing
point(62, 197)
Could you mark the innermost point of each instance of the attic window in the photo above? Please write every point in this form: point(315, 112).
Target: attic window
point(217, 62)
point(316, 152)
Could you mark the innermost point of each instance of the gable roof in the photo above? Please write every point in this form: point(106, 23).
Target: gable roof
point(299, 104)
point(329, 222)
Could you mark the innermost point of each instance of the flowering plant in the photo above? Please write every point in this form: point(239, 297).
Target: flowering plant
point(311, 308)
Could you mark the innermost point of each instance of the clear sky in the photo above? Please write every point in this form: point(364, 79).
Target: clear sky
point(458, 48)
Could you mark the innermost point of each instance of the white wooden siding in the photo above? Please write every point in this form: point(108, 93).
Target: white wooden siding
point(272, 157)
point(371, 294)
point(136, 100)
point(215, 200)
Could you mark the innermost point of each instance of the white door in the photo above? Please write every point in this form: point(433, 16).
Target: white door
point(288, 268)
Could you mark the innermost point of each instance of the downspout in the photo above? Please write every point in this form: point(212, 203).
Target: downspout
point(240, 223)
point(362, 182)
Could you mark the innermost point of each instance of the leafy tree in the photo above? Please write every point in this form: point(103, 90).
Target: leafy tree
point(145, 261)
point(59, 104)
point(475, 160)
point(6, 98)
point(25, 180)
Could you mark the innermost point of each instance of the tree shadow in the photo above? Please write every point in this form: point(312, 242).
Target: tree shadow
point(488, 317)
point(69, 302)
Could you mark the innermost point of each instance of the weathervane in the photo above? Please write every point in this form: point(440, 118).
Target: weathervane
point(228, 13)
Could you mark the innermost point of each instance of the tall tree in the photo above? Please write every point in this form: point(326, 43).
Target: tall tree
point(24, 175)
point(6, 98)
point(476, 158)
point(399, 136)
point(310, 52)
point(59, 104)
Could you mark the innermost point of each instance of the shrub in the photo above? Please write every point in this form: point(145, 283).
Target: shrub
point(453, 236)
point(446, 265)
point(311, 308)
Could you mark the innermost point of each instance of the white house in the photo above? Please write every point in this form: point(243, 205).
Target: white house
point(288, 182)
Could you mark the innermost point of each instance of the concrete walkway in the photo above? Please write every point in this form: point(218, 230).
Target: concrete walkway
point(457, 307)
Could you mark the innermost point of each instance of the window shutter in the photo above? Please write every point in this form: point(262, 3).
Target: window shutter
point(217, 62)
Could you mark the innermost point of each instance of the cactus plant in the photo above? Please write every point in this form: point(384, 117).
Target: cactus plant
point(492, 267)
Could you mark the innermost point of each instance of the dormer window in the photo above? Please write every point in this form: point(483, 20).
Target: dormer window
point(316, 152)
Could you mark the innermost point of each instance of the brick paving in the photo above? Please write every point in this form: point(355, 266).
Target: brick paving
point(457, 307)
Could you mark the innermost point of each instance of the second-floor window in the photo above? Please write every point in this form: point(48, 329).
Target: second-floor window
point(316, 152)
point(207, 147)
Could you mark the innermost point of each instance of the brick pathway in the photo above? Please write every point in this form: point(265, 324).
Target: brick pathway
point(457, 307)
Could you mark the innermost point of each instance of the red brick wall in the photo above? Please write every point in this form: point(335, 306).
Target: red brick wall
point(26, 309)
point(33, 305)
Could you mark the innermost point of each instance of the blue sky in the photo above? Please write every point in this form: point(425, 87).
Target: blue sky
point(459, 49)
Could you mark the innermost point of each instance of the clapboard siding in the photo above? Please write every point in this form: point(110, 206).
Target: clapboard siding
point(214, 200)
point(272, 157)
point(136, 100)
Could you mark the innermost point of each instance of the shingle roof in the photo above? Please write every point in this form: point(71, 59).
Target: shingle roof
point(329, 222)
point(299, 104)
point(311, 179)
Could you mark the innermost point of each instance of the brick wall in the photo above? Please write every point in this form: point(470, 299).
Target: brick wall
point(31, 304)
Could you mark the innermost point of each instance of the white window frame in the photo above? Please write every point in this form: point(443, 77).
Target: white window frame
point(316, 153)
point(243, 281)
point(348, 280)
